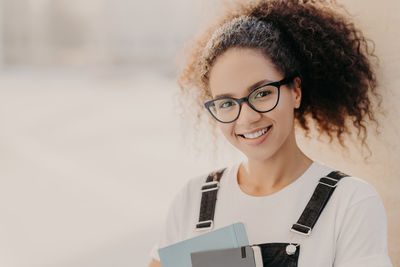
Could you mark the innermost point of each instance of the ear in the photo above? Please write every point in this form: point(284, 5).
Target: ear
point(296, 92)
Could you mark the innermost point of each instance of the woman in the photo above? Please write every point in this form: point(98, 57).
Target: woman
point(264, 67)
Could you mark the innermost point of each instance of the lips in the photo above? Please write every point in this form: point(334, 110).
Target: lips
point(255, 139)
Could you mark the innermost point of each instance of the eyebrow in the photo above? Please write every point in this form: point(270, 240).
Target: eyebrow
point(249, 89)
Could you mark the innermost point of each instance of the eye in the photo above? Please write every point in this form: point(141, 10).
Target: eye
point(226, 104)
point(262, 93)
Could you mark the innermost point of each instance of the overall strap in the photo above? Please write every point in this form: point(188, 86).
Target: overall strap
point(208, 200)
point(318, 200)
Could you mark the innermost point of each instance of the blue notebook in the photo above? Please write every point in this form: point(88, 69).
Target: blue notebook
point(178, 254)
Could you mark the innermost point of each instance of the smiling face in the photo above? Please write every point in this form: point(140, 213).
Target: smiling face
point(232, 74)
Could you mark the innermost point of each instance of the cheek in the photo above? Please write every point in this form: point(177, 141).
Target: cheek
point(282, 115)
point(227, 130)
point(285, 116)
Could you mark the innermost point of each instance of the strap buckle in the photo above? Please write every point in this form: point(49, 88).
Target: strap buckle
point(299, 232)
point(198, 229)
point(207, 184)
point(329, 185)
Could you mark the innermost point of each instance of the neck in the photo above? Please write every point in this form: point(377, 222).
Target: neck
point(268, 176)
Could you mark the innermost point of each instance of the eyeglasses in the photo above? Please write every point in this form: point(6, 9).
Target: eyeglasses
point(262, 99)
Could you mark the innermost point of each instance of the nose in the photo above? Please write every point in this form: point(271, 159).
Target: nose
point(247, 114)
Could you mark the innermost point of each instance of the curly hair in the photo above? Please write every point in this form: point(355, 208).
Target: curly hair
point(309, 39)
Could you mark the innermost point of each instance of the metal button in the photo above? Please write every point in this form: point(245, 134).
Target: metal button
point(290, 249)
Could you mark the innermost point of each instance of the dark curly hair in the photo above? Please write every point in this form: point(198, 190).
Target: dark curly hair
point(309, 39)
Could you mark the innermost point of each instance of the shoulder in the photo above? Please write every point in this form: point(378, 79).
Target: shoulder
point(360, 211)
point(356, 190)
point(190, 191)
point(184, 208)
point(195, 183)
point(351, 189)
point(356, 202)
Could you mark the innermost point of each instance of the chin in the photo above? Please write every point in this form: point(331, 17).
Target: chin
point(256, 153)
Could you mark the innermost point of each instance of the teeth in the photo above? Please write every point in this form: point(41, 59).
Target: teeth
point(256, 134)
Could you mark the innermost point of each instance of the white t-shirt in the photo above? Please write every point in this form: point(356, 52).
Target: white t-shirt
point(350, 232)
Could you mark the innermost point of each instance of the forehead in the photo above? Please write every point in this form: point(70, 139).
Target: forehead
point(239, 68)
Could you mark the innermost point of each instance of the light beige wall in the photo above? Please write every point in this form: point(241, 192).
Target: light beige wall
point(379, 21)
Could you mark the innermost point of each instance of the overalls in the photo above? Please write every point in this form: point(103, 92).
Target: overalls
point(274, 254)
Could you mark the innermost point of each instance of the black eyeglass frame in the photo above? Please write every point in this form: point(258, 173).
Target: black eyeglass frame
point(246, 99)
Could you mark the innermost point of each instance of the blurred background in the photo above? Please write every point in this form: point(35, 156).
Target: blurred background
point(91, 147)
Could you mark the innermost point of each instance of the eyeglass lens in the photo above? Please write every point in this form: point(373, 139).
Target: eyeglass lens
point(262, 99)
